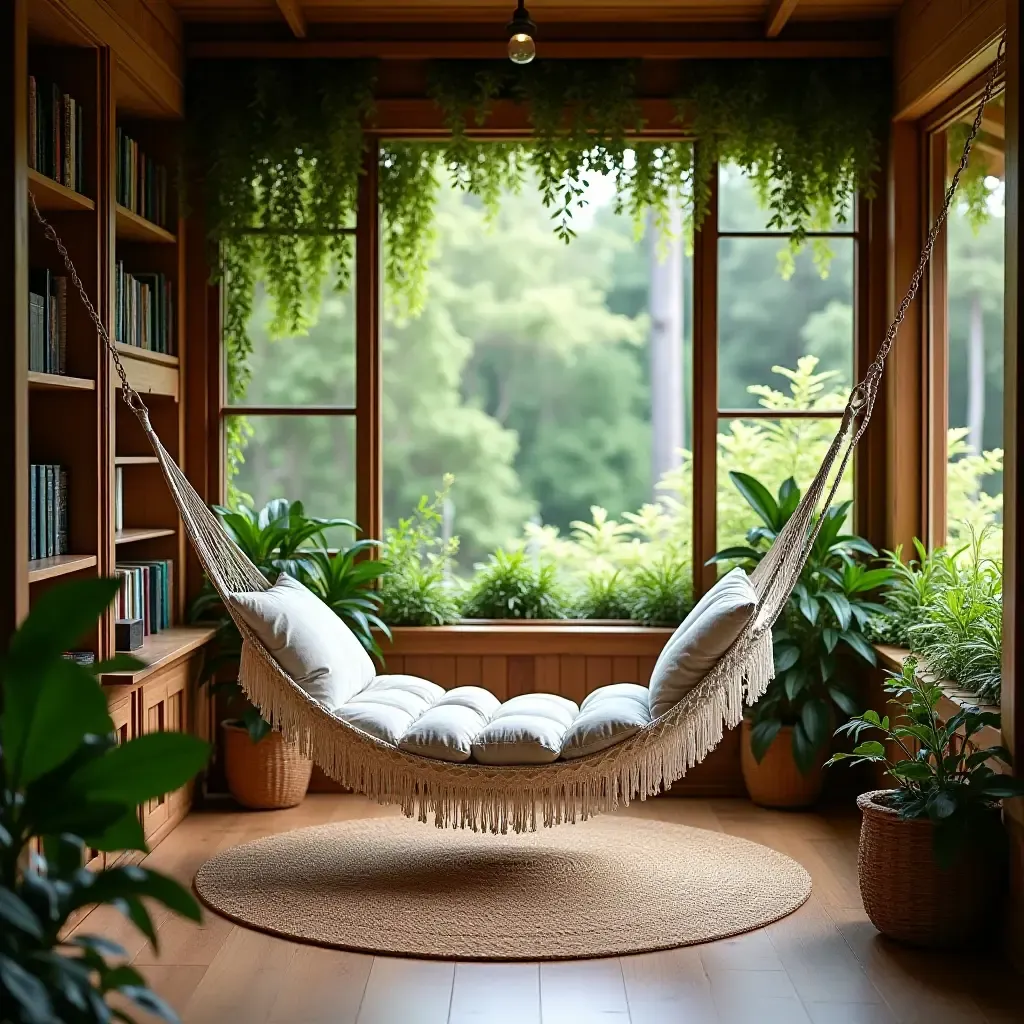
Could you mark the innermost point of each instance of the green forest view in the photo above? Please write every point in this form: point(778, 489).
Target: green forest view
point(528, 377)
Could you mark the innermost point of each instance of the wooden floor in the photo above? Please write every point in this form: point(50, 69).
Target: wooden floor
point(824, 964)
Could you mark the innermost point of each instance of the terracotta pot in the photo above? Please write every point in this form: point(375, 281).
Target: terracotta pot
point(908, 896)
point(264, 775)
point(776, 781)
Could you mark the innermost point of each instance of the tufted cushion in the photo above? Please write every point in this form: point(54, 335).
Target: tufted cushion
point(307, 639)
point(528, 729)
point(702, 638)
point(607, 716)
point(389, 705)
point(446, 730)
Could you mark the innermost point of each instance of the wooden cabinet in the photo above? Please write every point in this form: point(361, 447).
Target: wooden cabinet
point(164, 706)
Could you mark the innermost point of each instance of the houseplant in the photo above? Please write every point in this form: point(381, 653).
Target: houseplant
point(510, 586)
point(932, 854)
point(68, 787)
point(262, 769)
point(785, 733)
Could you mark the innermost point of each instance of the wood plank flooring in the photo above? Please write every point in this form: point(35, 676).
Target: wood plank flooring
point(824, 964)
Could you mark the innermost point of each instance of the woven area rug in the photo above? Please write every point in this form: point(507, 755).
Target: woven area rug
point(609, 886)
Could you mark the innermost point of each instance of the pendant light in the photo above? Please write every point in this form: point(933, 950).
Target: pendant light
point(521, 30)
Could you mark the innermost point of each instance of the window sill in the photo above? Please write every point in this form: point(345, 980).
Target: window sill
point(954, 697)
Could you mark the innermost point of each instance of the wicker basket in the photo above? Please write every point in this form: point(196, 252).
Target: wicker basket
point(776, 781)
point(268, 774)
point(908, 896)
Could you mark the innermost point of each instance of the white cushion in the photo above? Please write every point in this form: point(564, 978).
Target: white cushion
point(307, 640)
point(446, 730)
point(608, 716)
point(528, 729)
point(389, 705)
point(702, 638)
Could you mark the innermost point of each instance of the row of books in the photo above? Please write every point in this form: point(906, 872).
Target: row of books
point(146, 593)
point(144, 310)
point(47, 322)
point(141, 182)
point(118, 497)
point(48, 511)
point(55, 134)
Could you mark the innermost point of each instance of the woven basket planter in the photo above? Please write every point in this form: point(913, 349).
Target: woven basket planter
point(908, 896)
point(776, 781)
point(264, 775)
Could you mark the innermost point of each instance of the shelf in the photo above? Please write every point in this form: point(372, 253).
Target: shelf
point(58, 565)
point(51, 195)
point(136, 460)
point(144, 353)
point(130, 227)
point(58, 382)
point(133, 535)
point(160, 650)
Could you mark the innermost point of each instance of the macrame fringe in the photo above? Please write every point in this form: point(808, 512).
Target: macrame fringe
point(514, 799)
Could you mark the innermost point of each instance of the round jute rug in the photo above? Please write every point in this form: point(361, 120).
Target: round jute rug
point(609, 886)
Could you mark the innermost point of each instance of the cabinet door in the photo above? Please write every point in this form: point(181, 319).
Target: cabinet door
point(164, 708)
point(123, 717)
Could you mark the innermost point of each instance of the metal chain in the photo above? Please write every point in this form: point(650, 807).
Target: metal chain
point(130, 395)
point(858, 399)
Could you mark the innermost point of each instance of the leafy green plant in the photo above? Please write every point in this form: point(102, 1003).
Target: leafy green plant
point(510, 586)
point(828, 611)
point(604, 595)
point(940, 776)
point(417, 589)
point(946, 606)
point(69, 786)
point(278, 538)
point(660, 593)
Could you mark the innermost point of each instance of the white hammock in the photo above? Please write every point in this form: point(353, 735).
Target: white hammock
point(500, 798)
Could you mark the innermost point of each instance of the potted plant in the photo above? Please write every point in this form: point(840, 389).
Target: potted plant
point(932, 850)
point(68, 787)
point(263, 770)
point(785, 734)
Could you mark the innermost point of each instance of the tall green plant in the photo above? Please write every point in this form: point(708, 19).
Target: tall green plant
point(510, 586)
point(827, 614)
point(69, 786)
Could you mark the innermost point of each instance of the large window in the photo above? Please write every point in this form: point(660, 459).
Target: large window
point(785, 348)
point(549, 379)
point(966, 392)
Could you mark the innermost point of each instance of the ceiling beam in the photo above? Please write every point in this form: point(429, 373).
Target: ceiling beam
point(292, 11)
point(778, 14)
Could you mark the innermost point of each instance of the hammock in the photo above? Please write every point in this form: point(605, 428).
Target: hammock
point(518, 798)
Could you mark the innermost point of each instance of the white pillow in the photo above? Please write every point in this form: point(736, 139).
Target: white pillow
point(702, 638)
point(307, 639)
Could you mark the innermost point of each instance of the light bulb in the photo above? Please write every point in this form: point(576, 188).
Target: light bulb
point(521, 48)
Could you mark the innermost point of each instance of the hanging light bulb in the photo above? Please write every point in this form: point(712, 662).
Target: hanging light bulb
point(521, 30)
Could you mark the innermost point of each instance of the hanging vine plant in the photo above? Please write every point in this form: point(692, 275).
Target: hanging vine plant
point(281, 149)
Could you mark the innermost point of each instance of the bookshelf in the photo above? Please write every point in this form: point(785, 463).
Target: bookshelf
point(74, 418)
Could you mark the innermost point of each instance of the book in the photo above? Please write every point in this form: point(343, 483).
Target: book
point(118, 498)
point(61, 289)
point(81, 657)
point(33, 513)
point(39, 283)
point(51, 511)
point(33, 125)
point(55, 133)
point(62, 510)
point(141, 183)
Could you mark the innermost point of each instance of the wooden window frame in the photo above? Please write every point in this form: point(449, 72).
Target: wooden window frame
point(935, 382)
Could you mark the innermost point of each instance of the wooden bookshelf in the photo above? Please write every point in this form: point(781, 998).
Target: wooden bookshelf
point(76, 419)
point(133, 228)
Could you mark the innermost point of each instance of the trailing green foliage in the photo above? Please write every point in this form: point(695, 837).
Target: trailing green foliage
point(510, 586)
point(941, 776)
point(281, 538)
point(417, 589)
point(947, 607)
point(825, 616)
point(70, 786)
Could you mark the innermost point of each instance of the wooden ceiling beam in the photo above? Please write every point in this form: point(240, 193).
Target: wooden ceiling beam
point(427, 49)
point(292, 11)
point(779, 12)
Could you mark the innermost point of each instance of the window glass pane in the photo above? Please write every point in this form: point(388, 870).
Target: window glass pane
point(739, 208)
point(974, 289)
point(766, 321)
point(552, 380)
point(771, 451)
point(302, 458)
point(316, 367)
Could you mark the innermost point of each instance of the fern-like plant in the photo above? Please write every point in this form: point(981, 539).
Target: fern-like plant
point(510, 586)
point(660, 593)
point(605, 595)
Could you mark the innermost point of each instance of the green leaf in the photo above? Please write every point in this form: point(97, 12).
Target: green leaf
point(145, 767)
point(762, 736)
point(758, 497)
point(38, 732)
point(844, 701)
point(16, 913)
point(914, 770)
point(119, 663)
point(870, 748)
point(60, 617)
point(805, 750)
point(830, 637)
point(857, 643)
point(816, 717)
point(786, 656)
point(794, 682)
point(27, 990)
point(808, 608)
point(840, 608)
point(146, 999)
